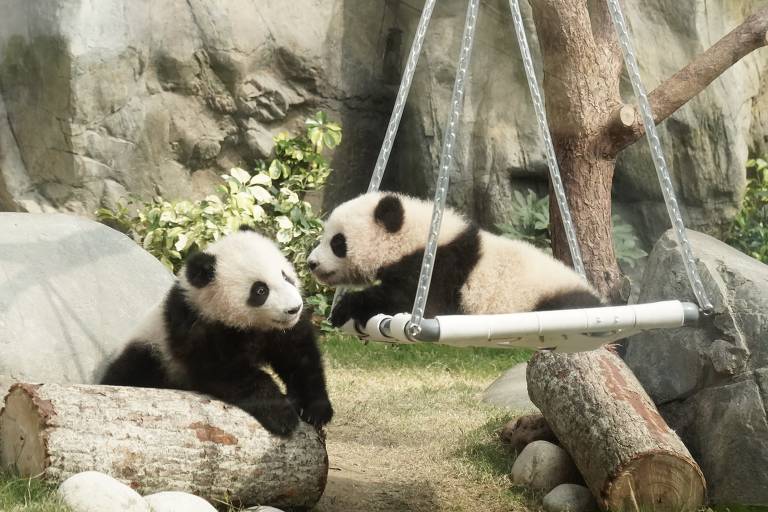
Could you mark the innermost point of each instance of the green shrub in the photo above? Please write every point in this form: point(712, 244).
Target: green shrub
point(749, 230)
point(270, 199)
point(530, 222)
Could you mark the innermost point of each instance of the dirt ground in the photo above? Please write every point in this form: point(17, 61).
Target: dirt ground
point(415, 440)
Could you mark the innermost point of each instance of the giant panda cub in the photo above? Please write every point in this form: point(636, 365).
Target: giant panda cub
point(235, 308)
point(380, 237)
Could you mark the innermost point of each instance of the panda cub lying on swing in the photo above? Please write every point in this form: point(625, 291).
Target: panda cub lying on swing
point(235, 308)
point(381, 237)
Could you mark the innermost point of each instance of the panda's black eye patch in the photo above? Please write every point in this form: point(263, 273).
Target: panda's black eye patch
point(287, 278)
point(339, 245)
point(259, 294)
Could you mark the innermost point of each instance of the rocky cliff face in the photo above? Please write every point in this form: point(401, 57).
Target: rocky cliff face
point(101, 99)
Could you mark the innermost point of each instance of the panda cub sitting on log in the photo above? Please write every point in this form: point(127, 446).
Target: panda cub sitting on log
point(235, 308)
point(380, 236)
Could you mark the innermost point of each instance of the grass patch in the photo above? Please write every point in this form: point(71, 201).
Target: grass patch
point(27, 495)
point(410, 432)
point(347, 352)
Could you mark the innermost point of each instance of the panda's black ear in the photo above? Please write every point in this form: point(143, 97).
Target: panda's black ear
point(389, 213)
point(201, 269)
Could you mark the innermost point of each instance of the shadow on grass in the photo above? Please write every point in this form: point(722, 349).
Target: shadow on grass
point(483, 450)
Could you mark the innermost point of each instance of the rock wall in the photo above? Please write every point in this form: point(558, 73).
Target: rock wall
point(711, 382)
point(100, 99)
point(116, 96)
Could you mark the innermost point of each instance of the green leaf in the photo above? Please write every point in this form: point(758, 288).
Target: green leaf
point(240, 175)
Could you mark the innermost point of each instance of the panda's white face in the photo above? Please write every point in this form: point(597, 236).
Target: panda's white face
point(243, 281)
point(374, 230)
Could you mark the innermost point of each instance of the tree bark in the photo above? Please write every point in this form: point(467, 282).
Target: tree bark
point(157, 440)
point(582, 66)
point(628, 456)
point(677, 90)
point(590, 125)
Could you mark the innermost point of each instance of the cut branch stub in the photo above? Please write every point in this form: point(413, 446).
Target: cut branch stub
point(677, 90)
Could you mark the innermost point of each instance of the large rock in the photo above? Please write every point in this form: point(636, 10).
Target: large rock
point(510, 390)
point(710, 382)
point(109, 97)
point(71, 290)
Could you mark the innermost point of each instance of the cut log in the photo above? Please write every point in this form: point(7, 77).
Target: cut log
point(159, 440)
point(627, 454)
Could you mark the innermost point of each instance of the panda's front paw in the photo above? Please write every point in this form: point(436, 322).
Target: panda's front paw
point(342, 313)
point(279, 419)
point(317, 413)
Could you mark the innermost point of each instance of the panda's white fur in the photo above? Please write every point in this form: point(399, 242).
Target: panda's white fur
point(243, 258)
point(508, 275)
point(236, 306)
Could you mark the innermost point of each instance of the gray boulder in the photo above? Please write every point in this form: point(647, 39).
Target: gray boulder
point(510, 391)
point(710, 381)
point(71, 290)
point(569, 498)
point(543, 466)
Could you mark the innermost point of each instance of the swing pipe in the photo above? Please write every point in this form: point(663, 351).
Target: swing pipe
point(570, 330)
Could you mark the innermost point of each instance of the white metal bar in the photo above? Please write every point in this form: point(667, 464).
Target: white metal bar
point(569, 330)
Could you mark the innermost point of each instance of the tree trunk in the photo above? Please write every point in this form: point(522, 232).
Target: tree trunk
point(582, 66)
point(158, 440)
point(628, 456)
point(590, 124)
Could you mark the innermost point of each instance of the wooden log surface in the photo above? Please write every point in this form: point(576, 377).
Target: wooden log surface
point(627, 454)
point(158, 440)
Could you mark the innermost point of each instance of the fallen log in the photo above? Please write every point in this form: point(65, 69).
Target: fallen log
point(159, 440)
point(627, 454)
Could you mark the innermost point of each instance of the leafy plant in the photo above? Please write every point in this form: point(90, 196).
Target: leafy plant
point(530, 219)
point(530, 222)
point(749, 230)
point(270, 199)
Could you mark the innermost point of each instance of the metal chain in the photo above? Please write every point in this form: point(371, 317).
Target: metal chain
point(541, 120)
point(402, 96)
point(446, 164)
point(673, 210)
point(397, 111)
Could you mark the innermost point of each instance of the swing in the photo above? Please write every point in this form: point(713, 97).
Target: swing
point(571, 330)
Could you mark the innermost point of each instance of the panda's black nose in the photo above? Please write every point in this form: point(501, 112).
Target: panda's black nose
point(293, 311)
point(312, 264)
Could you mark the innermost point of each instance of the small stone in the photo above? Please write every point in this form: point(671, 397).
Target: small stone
point(174, 501)
point(569, 498)
point(524, 430)
point(543, 465)
point(92, 491)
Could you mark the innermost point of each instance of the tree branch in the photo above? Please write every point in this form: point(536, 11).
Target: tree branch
point(625, 126)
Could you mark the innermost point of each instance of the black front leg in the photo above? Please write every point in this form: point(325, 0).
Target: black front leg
point(296, 359)
point(361, 306)
point(259, 396)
